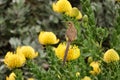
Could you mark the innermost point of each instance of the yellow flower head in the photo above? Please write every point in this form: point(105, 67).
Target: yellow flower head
point(86, 78)
point(79, 16)
point(73, 52)
point(73, 12)
point(11, 76)
point(96, 70)
point(14, 60)
point(62, 6)
point(110, 56)
point(47, 38)
point(28, 52)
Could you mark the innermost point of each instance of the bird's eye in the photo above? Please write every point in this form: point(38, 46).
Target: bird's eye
point(69, 23)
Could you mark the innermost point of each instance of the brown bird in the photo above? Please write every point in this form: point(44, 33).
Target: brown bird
point(71, 34)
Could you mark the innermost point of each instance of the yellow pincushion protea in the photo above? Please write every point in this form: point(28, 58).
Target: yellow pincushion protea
point(96, 70)
point(86, 78)
point(47, 38)
point(28, 52)
point(62, 6)
point(14, 60)
point(11, 76)
point(73, 53)
point(110, 56)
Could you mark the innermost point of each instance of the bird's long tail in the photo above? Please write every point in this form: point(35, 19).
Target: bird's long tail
point(66, 52)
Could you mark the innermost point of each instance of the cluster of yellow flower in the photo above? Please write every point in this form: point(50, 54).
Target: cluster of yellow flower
point(12, 76)
point(109, 56)
point(74, 52)
point(50, 38)
point(64, 6)
point(13, 60)
point(18, 58)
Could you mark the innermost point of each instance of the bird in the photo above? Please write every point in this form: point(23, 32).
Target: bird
point(71, 34)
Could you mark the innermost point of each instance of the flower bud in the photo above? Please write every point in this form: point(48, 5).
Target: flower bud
point(85, 18)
